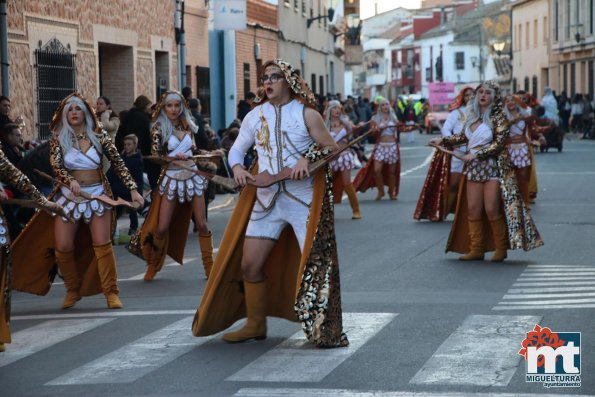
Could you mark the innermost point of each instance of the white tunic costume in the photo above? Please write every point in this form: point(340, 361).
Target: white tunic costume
point(519, 152)
point(281, 137)
point(454, 125)
point(485, 169)
point(77, 206)
point(178, 182)
point(387, 151)
point(345, 161)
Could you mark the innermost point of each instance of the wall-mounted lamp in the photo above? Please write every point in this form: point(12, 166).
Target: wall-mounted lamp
point(257, 51)
point(578, 38)
point(330, 16)
point(473, 61)
point(499, 47)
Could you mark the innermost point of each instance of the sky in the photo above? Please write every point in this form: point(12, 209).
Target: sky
point(367, 6)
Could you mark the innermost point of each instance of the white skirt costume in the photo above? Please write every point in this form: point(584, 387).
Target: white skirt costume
point(345, 161)
point(518, 152)
point(177, 182)
point(387, 152)
point(77, 206)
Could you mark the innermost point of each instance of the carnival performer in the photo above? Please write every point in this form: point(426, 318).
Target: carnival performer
point(15, 178)
point(439, 193)
point(179, 193)
point(384, 166)
point(519, 117)
point(490, 191)
point(83, 249)
point(340, 128)
point(265, 268)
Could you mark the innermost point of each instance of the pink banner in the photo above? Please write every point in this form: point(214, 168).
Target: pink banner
point(441, 93)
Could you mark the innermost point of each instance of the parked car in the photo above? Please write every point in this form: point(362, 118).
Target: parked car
point(435, 118)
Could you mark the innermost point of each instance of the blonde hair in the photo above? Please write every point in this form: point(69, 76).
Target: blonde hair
point(131, 137)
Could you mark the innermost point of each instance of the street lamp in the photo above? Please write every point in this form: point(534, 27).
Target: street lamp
point(354, 27)
point(499, 47)
point(330, 14)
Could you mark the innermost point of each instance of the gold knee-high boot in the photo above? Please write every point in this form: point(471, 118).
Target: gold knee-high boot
point(206, 251)
point(352, 196)
point(256, 309)
point(500, 239)
point(72, 282)
point(106, 264)
point(156, 249)
point(476, 238)
point(392, 186)
point(379, 186)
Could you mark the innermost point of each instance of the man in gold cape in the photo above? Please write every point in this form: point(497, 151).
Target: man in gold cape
point(297, 285)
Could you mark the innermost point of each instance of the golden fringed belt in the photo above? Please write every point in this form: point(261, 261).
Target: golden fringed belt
point(87, 177)
point(180, 164)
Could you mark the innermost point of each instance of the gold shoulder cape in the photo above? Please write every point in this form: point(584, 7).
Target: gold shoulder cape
point(301, 286)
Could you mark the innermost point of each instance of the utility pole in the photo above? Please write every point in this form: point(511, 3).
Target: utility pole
point(4, 49)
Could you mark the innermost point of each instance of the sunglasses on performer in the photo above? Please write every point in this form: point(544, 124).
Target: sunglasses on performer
point(273, 78)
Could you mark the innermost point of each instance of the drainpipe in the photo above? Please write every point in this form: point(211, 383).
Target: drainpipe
point(181, 41)
point(4, 49)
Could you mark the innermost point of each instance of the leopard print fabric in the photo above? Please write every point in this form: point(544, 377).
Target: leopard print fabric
point(318, 304)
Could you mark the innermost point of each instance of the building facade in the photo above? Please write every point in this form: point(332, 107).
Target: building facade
point(572, 37)
point(313, 50)
point(94, 48)
point(196, 21)
point(255, 45)
point(531, 46)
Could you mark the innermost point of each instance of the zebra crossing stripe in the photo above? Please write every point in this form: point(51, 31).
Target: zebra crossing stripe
point(294, 360)
point(41, 336)
point(551, 286)
point(136, 359)
point(311, 392)
point(482, 352)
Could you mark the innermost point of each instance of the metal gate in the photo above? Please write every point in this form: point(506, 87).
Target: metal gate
point(56, 78)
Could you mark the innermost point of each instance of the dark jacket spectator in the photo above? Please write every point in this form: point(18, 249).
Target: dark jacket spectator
point(200, 137)
point(245, 105)
point(10, 135)
point(134, 163)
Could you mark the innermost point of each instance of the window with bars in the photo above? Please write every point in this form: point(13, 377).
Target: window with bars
point(56, 78)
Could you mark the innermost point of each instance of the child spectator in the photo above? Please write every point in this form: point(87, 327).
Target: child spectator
point(134, 162)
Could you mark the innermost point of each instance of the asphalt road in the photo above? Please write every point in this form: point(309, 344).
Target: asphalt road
point(421, 323)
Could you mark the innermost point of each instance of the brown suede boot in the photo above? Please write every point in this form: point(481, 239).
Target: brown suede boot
point(206, 251)
point(379, 186)
point(352, 196)
point(256, 309)
point(476, 237)
point(500, 239)
point(106, 265)
point(67, 266)
point(392, 186)
point(158, 245)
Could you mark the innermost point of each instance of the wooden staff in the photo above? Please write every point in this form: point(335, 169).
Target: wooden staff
point(265, 179)
point(102, 197)
point(227, 183)
point(34, 204)
point(451, 152)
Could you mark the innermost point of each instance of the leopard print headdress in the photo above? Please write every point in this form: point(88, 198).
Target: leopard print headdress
point(299, 88)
